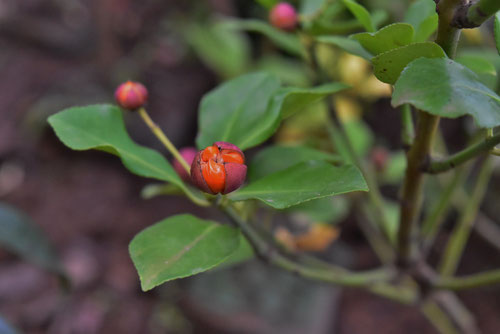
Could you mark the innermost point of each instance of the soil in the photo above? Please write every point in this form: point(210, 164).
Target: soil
point(90, 206)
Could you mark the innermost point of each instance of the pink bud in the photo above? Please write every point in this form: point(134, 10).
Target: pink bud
point(131, 95)
point(188, 153)
point(283, 16)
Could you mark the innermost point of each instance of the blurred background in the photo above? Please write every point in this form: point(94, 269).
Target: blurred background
point(77, 211)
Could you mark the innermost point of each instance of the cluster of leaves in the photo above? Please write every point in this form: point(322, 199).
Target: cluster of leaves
point(249, 109)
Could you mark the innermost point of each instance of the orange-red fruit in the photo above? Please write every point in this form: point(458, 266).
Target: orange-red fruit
point(131, 95)
point(219, 168)
point(283, 16)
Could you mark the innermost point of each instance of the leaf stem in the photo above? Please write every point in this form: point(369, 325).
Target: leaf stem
point(472, 15)
point(408, 130)
point(432, 223)
point(418, 154)
point(157, 131)
point(439, 166)
point(411, 202)
point(460, 235)
point(332, 274)
point(468, 282)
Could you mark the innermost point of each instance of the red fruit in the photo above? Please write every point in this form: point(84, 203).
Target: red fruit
point(131, 95)
point(380, 157)
point(219, 168)
point(283, 16)
point(188, 153)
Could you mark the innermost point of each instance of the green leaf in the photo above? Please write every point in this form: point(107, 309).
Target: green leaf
point(389, 37)
point(484, 69)
point(346, 44)
point(301, 183)
point(267, 3)
point(239, 112)
point(246, 111)
point(497, 31)
point(18, 234)
point(308, 7)
point(277, 158)
point(180, 246)
point(361, 14)
point(445, 88)
point(101, 127)
point(323, 210)
point(423, 17)
point(388, 65)
point(360, 136)
point(290, 71)
point(286, 41)
point(293, 100)
point(395, 169)
point(243, 253)
point(225, 51)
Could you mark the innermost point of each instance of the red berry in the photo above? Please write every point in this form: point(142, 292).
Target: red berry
point(131, 95)
point(188, 153)
point(379, 157)
point(283, 16)
point(219, 168)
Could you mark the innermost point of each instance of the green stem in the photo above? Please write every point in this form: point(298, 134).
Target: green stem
point(157, 131)
point(333, 274)
point(377, 204)
point(475, 14)
point(408, 131)
point(413, 185)
point(437, 215)
point(460, 235)
point(448, 35)
point(468, 282)
point(438, 318)
point(456, 159)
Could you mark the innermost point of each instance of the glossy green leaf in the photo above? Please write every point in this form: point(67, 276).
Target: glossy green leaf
point(301, 183)
point(388, 65)
point(337, 26)
point(360, 137)
point(239, 111)
point(292, 99)
point(346, 44)
point(445, 88)
point(180, 246)
point(18, 234)
point(361, 14)
point(101, 127)
point(243, 253)
point(225, 51)
point(246, 111)
point(323, 210)
point(276, 158)
point(484, 69)
point(285, 40)
point(423, 17)
point(497, 31)
point(290, 71)
point(389, 37)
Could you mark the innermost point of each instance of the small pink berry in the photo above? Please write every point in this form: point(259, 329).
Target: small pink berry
point(131, 95)
point(188, 153)
point(283, 16)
